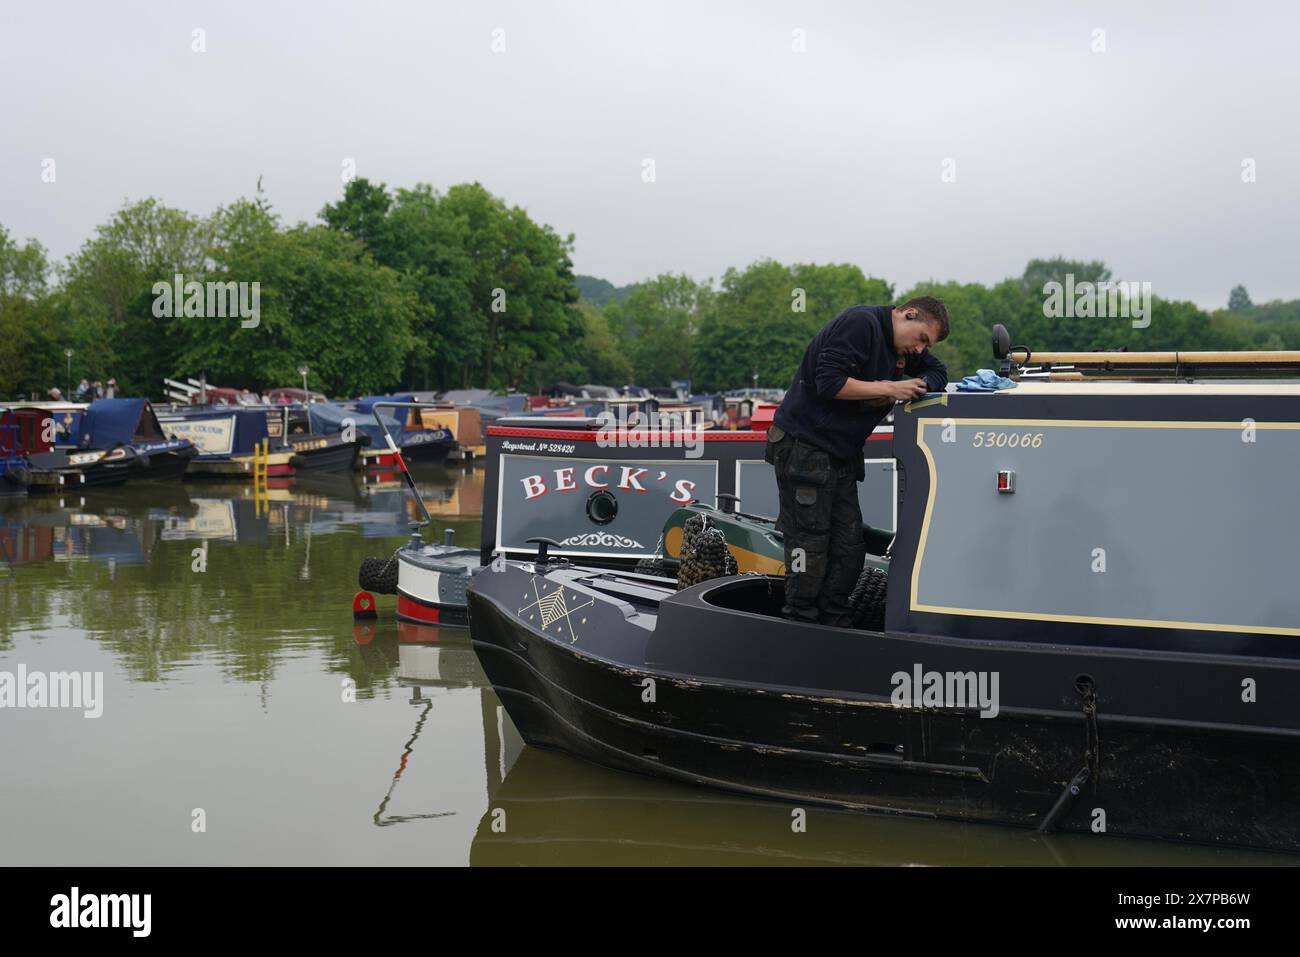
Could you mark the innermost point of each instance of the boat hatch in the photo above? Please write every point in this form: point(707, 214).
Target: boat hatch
point(756, 594)
point(639, 592)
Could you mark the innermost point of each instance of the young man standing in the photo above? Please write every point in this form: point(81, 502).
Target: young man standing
point(854, 370)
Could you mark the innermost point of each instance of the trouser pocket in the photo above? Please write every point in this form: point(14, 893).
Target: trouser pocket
point(809, 465)
point(807, 492)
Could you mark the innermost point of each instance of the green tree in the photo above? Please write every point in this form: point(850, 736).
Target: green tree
point(32, 333)
point(108, 289)
point(599, 292)
point(599, 355)
point(497, 295)
point(416, 234)
point(1041, 271)
point(324, 302)
point(1239, 299)
point(657, 325)
point(522, 296)
point(766, 315)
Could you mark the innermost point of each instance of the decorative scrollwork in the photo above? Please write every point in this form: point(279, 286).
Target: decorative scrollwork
point(600, 540)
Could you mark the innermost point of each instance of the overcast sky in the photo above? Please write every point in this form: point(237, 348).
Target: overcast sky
point(1133, 155)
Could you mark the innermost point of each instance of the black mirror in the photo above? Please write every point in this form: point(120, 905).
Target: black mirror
point(1001, 341)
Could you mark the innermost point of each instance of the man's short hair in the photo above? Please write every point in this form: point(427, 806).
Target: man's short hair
point(932, 309)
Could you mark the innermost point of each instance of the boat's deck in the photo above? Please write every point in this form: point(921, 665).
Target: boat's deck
point(756, 594)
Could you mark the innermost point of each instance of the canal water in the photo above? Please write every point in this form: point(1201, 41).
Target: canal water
point(247, 720)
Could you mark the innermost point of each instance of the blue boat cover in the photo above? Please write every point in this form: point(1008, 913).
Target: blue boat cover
point(328, 418)
point(110, 422)
point(366, 405)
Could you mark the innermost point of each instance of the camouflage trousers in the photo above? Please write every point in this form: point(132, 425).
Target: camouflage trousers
point(821, 522)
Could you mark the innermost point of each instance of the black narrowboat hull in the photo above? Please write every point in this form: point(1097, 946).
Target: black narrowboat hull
point(750, 703)
point(54, 472)
point(331, 457)
point(57, 471)
point(427, 453)
point(163, 466)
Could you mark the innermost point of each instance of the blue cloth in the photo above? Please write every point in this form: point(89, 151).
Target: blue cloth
point(985, 380)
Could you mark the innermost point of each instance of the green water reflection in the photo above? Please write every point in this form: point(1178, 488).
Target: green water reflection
point(237, 683)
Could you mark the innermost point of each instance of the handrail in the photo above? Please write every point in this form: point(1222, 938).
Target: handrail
point(1017, 360)
point(1167, 358)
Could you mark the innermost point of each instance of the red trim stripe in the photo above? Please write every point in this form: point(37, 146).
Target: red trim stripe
point(883, 434)
point(412, 609)
point(708, 435)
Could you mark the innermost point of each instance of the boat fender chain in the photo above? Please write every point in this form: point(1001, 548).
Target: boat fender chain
point(1091, 770)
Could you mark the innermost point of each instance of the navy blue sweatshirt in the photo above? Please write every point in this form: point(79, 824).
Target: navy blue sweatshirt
point(858, 344)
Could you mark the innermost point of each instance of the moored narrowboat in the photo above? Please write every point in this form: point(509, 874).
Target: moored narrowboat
point(226, 439)
point(1089, 627)
point(116, 440)
point(418, 442)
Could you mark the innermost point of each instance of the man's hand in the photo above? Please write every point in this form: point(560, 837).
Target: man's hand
point(882, 392)
point(905, 390)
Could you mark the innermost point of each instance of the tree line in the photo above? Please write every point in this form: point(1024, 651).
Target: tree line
point(418, 289)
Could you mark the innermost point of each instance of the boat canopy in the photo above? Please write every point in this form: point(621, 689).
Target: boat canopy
point(467, 396)
point(328, 418)
point(366, 405)
point(487, 402)
point(111, 422)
